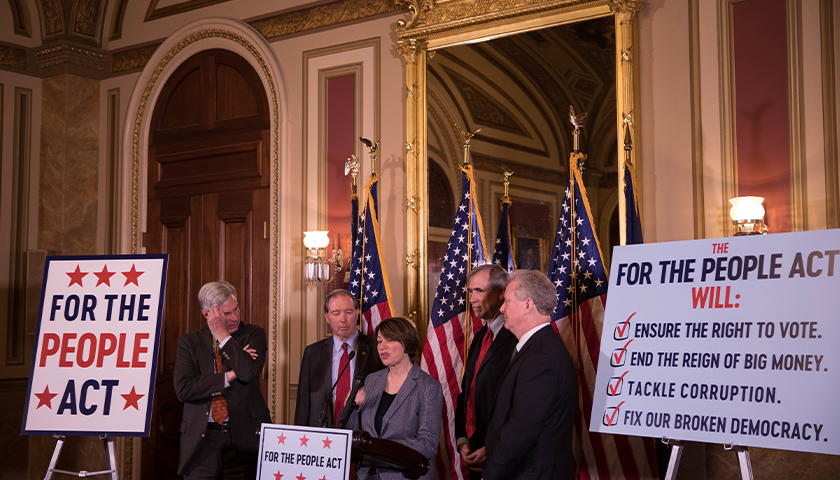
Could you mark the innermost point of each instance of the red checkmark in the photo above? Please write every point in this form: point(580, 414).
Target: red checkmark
point(621, 354)
point(610, 418)
point(617, 384)
point(623, 328)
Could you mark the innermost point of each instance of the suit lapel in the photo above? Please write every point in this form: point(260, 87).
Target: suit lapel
point(503, 337)
point(406, 389)
point(362, 353)
point(205, 353)
point(377, 386)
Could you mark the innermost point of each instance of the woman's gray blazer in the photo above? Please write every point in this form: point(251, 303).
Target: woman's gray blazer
point(413, 419)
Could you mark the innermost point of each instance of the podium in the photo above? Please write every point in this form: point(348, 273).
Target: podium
point(395, 455)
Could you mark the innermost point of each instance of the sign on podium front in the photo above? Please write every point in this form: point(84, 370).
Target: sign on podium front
point(304, 453)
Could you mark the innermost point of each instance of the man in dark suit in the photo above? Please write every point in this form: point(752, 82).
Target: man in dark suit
point(490, 351)
point(318, 404)
point(217, 377)
point(530, 433)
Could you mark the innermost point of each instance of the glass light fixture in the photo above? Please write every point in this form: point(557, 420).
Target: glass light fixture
point(747, 214)
point(316, 267)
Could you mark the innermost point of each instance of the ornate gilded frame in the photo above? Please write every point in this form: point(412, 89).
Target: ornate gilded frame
point(438, 24)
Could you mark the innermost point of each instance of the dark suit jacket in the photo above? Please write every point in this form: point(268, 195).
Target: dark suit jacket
point(413, 419)
point(530, 433)
point(196, 385)
point(315, 383)
point(496, 361)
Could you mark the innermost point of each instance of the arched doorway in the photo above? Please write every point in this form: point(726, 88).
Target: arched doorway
point(208, 208)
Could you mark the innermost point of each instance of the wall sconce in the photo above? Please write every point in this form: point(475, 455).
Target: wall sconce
point(748, 215)
point(316, 267)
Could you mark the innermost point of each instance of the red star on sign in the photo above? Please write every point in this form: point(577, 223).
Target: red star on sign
point(132, 398)
point(324, 477)
point(45, 398)
point(131, 276)
point(303, 441)
point(278, 475)
point(327, 443)
point(104, 276)
point(301, 477)
point(76, 276)
point(281, 439)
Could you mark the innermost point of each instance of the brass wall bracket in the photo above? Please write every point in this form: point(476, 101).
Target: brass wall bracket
point(411, 203)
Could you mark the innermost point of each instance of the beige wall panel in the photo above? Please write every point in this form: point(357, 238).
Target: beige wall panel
point(710, 119)
point(125, 84)
point(303, 310)
point(10, 82)
point(666, 122)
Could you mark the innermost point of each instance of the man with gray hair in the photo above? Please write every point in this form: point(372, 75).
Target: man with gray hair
point(329, 366)
point(530, 433)
point(487, 360)
point(217, 378)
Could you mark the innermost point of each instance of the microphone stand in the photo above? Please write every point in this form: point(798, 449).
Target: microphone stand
point(351, 404)
point(322, 420)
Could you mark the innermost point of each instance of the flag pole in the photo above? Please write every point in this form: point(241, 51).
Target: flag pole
point(574, 159)
point(468, 135)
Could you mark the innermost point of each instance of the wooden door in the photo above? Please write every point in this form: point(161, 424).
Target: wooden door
point(208, 209)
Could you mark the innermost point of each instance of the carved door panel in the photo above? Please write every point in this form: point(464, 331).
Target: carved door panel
point(216, 236)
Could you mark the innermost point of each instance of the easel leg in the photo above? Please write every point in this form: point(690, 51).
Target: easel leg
point(55, 455)
point(112, 457)
point(743, 460)
point(674, 461)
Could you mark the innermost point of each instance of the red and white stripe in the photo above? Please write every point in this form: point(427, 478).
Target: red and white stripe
point(600, 456)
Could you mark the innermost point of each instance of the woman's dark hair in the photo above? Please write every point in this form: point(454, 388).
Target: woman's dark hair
point(399, 329)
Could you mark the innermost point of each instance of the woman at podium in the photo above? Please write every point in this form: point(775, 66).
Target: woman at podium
point(402, 403)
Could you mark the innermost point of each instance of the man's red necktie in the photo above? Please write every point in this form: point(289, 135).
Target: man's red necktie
point(342, 389)
point(219, 404)
point(485, 345)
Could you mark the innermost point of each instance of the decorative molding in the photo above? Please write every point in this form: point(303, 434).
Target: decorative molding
point(326, 15)
point(132, 59)
point(20, 18)
point(483, 108)
point(72, 54)
point(726, 82)
point(829, 72)
point(117, 17)
point(52, 18)
point(430, 20)
point(12, 57)
point(796, 111)
point(154, 13)
point(696, 120)
point(85, 15)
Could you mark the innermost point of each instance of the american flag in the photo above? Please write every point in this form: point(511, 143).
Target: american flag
point(581, 280)
point(503, 256)
point(634, 220)
point(444, 351)
point(368, 278)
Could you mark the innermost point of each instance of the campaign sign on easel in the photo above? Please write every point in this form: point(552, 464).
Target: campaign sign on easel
point(733, 340)
point(304, 453)
point(96, 347)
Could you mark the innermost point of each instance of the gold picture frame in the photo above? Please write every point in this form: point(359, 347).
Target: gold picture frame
point(439, 24)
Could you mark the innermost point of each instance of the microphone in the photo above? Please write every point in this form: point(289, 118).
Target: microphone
point(323, 418)
point(351, 403)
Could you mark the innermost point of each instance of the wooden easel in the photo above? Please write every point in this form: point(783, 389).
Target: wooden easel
point(677, 449)
point(109, 450)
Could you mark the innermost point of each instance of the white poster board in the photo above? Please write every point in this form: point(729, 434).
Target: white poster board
point(304, 453)
point(732, 340)
point(95, 356)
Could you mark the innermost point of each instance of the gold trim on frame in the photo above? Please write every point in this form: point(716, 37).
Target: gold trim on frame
point(696, 120)
point(832, 188)
point(329, 14)
point(137, 130)
point(433, 26)
point(726, 80)
point(796, 112)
